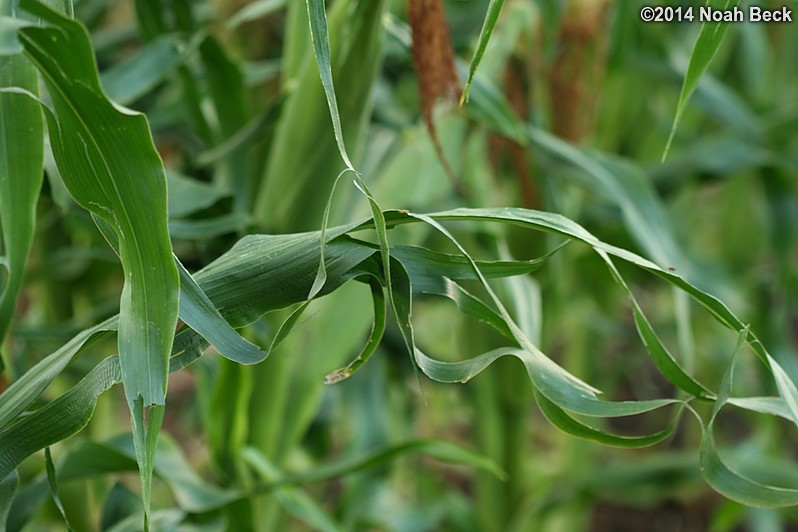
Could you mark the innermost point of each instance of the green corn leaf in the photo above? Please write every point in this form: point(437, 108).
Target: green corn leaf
point(268, 272)
point(132, 198)
point(108, 162)
point(209, 228)
point(397, 282)
point(317, 16)
point(258, 275)
point(254, 11)
point(775, 406)
point(494, 8)
point(704, 50)
point(557, 224)
point(234, 171)
point(69, 413)
point(52, 481)
point(187, 196)
point(443, 450)
point(425, 263)
point(375, 336)
point(664, 360)
point(432, 273)
point(722, 477)
point(559, 386)
point(57, 420)
point(200, 314)
point(321, 274)
point(8, 487)
point(560, 419)
point(731, 484)
point(25, 390)
point(466, 302)
point(302, 160)
point(627, 186)
point(131, 79)
point(518, 335)
point(21, 172)
point(294, 500)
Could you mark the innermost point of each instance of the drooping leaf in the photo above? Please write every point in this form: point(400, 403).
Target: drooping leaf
point(375, 336)
point(723, 478)
point(200, 314)
point(560, 419)
point(96, 168)
point(108, 162)
point(554, 223)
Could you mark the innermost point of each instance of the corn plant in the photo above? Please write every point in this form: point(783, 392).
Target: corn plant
point(290, 224)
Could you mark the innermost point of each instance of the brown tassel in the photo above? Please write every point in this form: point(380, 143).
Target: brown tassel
point(433, 58)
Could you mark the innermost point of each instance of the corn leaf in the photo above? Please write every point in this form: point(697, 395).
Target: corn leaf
point(52, 481)
point(57, 420)
point(8, 487)
point(302, 164)
point(254, 11)
point(494, 9)
point(294, 500)
point(94, 158)
point(128, 81)
point(317, 16)
point(199, 313)
point(721, 476)
point(704, 50)
point(560, 419)
point(25, 390)
point(108, 162)
point(21, 172)
point(443, 450)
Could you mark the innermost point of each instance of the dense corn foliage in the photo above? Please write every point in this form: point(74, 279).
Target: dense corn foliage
point(286, 229)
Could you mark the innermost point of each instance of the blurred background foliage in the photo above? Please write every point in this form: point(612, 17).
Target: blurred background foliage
point(238, 114)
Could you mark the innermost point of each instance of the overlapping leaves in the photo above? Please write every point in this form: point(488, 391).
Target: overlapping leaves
point(284, 267)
